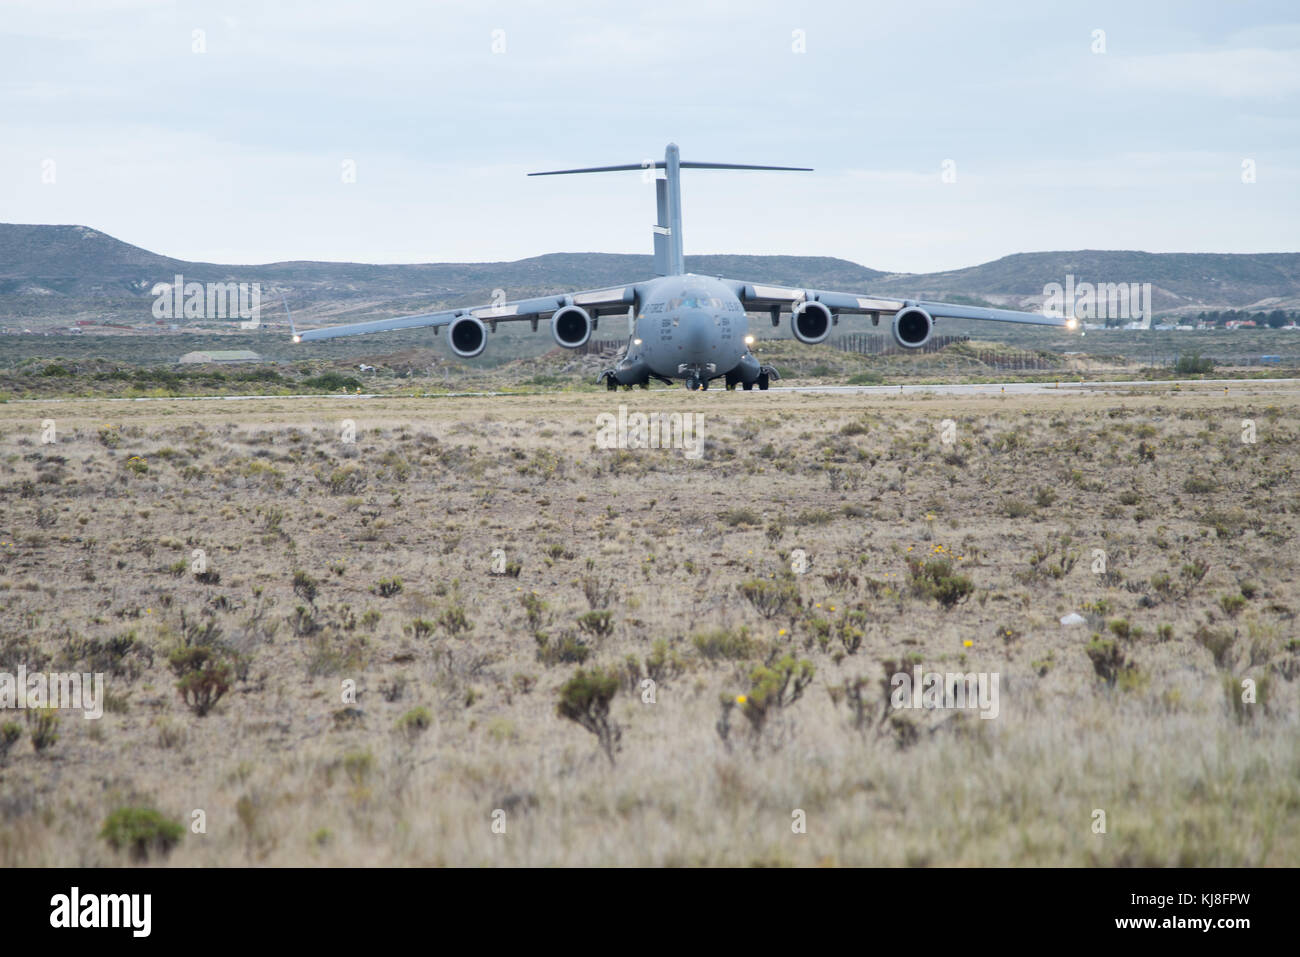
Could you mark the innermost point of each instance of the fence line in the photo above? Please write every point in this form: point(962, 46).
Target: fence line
point(600, 347)
point(870, 344)
point(1274, 362)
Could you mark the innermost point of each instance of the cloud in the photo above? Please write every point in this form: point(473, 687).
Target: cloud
point(1241, 73)
point(235, 154)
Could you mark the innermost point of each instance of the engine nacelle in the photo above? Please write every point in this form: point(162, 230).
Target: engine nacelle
point(810, 321)
point(571, 326)
point(912, 327)
point(468, 337)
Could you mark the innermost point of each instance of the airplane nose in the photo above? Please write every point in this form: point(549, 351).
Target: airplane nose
point(696, 332)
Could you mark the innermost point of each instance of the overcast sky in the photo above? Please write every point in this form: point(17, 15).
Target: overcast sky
point(237, 154)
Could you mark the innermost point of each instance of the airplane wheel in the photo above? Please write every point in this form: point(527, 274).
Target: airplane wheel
point(731, 387)
point(762, 381)
point(645, 385)
point(747, 386)
point(693, 384)
point(704, 385)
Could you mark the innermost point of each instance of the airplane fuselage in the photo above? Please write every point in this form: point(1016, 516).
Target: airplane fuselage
point(688, 327)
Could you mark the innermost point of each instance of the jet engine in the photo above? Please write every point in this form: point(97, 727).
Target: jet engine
point(810, 321)
point(468, 337)
point(571, 326)
point(912, 327)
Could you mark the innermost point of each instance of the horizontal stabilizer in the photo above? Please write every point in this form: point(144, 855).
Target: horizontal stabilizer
point(669, 260)
point(600, 169)
point(661, 165)
point(792, 169)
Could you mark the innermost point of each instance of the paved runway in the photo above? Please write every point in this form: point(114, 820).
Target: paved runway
point(1047, 388)
point(1255, 386)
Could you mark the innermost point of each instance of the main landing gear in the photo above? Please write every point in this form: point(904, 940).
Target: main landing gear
point(765, 377)
point(761, 381)
point(696, 382)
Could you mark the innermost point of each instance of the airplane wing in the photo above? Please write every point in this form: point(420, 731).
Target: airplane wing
point(614, 299)
point(760, 297)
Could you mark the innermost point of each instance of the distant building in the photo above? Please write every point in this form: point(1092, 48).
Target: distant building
point(220, 355)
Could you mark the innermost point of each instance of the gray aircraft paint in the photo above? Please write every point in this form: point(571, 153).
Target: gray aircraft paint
point(683, 326)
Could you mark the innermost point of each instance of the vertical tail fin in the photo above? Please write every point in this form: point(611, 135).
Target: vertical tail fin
point(670, 259)
point(673, 177)
point(663, 231)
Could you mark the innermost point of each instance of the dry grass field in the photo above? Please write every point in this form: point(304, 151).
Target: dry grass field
point(462, 559)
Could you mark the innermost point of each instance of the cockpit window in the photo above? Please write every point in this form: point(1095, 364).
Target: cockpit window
point(694, 301)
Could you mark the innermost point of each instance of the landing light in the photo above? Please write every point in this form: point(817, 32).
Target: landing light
point(749, 340)
point(1072, 323)
point(297, 338)
point(636, 342)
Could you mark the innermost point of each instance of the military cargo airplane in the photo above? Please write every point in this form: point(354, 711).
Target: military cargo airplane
point(683, 326)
